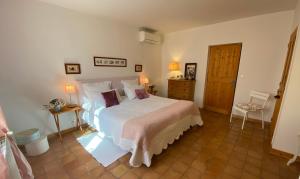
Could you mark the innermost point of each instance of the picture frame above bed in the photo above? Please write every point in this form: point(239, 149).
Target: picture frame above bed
point(138, 68)
point(72, 68)
point(110, 62)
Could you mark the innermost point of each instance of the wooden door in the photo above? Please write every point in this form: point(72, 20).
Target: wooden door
point(283, 81)
point(221, 76)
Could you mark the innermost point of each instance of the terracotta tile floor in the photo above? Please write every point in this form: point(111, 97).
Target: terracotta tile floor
point(216, 150)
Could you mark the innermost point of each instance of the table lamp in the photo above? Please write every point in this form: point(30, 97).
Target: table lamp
point(70, 89)
point(174, 66)
point(145, 81)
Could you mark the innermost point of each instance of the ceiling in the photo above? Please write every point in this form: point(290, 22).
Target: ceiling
point(173, 15)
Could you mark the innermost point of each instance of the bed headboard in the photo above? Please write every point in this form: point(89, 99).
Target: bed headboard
point(115, 81)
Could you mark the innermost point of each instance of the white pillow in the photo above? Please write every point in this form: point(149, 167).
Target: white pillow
point(117, 93)
point(93, 90)
point(130, 82)
point(130, 91)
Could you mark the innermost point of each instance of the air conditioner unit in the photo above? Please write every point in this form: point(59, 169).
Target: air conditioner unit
point(149, 37)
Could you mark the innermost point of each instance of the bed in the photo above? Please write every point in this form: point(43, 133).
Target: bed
point(143, 127)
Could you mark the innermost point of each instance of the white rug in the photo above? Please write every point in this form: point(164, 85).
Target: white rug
point(101, 148)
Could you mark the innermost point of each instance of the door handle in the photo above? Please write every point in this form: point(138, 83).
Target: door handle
point(277, 96)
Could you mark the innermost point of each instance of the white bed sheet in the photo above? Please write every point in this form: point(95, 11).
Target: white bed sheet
point(110, 121)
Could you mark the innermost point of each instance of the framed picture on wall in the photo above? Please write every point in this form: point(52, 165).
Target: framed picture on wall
point(138, 68)
point(110, 62)
point(190, 71)
point(72, 68)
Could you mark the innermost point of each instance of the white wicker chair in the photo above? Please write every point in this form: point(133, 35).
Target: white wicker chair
point(257, 103)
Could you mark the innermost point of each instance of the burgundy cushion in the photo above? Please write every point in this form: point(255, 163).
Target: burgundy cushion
point(110, 98)
point(141, 93)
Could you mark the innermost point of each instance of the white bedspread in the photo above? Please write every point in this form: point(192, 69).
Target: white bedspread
point(110, 121)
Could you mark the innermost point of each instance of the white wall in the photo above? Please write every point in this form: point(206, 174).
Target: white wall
point(288, 123)
point(264, 41)
point(37, 39)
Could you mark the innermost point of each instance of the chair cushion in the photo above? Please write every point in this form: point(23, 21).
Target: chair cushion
point(249, 106)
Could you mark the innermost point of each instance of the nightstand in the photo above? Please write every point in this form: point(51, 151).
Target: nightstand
point(151, 90)
point(75, 108)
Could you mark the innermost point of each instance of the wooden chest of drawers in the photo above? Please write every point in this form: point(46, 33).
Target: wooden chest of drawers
point(181, 89)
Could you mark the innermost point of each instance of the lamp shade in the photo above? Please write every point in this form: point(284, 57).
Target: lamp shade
point(174, 66)
point(69, 88)
point(144, 80)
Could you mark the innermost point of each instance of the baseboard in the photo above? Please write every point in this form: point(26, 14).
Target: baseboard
point(66, 131)
point(216, 110)
point(283, 154)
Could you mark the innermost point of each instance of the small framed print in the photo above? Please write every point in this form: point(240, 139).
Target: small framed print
point(110, 62)
point(138, 68)
point(190, 71)
point(72, 68)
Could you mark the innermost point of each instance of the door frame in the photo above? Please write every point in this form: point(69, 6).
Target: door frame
point(274, 123)
point(207, 64)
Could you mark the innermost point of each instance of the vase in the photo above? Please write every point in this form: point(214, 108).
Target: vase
point(57, 108)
